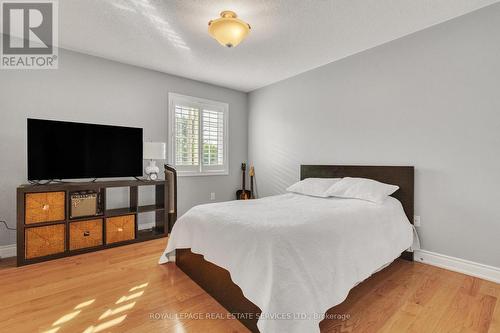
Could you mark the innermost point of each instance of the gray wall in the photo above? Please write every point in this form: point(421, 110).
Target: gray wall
point(91, 89)
point(431, 99)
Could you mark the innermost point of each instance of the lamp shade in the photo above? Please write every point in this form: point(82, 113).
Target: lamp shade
point(228, 30)
point(154, 151)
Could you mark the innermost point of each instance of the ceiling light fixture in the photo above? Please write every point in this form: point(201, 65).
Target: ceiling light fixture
point(228, 30)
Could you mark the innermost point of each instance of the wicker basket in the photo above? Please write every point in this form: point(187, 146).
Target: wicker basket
point(43, 241)
point(120, 228)
point(85, 234)
point(45, 207)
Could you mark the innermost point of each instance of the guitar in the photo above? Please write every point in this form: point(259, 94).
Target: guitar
point(243, 194)
point(252, 175)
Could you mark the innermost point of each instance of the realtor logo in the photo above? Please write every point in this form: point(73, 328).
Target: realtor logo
point(29, 35)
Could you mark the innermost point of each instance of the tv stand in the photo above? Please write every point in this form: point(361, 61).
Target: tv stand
point(45, 230)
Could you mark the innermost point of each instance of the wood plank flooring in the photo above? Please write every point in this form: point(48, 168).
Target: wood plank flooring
point(125, 290)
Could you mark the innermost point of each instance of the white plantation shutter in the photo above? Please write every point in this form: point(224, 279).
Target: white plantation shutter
point(187, 140)
point(198, 135)
point(213, 138)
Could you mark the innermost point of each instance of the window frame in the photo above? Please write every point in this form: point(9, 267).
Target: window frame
point(201, 104)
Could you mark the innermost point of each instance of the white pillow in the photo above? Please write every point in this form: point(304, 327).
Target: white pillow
point(315, 187)
point(361, 188)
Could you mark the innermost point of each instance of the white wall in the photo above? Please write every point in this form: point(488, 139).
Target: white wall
point(431, 100)
point(91, 89)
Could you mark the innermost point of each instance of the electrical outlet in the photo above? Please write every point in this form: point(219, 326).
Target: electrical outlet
point(416, 221)
point(212, 196)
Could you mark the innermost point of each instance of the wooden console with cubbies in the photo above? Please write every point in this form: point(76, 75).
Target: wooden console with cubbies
point(46, 231)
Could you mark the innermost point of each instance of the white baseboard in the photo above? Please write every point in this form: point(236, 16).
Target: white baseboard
point(7, 251)
point(482, 271)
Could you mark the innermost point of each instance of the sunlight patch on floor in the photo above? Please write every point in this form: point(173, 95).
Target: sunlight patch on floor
point(67, 317)
point(111, 312)
point(144, 285)
point(84, 304)
point(129, 297)
point(56, 326)
point(105, 325)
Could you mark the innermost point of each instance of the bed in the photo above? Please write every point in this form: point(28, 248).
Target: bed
point(279, 263)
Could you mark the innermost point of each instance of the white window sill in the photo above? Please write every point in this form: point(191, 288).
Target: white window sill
point(196, 174)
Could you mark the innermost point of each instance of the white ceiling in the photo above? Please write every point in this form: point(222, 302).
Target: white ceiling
point(287, 37)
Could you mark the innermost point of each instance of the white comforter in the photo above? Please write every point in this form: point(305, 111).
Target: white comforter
point(294, 256)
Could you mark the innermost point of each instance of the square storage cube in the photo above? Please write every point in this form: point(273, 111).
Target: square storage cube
point(43, 241)
point(84, 234)
point(120, 228)
point(45, 207)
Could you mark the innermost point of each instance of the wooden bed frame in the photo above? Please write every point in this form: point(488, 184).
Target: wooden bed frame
point(217, 281)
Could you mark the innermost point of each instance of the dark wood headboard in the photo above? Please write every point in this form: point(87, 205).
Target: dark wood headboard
point(402, 176)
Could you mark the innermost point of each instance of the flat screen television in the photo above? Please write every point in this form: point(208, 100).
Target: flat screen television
point(67, 150)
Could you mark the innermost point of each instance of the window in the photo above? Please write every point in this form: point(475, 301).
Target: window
point(198, 134)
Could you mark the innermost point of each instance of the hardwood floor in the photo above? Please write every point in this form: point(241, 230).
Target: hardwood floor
point(124, 290)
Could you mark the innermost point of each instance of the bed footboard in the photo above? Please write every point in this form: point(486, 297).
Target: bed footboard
point(217, 282)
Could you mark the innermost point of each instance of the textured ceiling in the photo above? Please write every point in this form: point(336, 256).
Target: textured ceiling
point(288, 36)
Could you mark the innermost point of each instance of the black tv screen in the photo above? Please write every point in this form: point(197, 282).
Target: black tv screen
point(66, 150)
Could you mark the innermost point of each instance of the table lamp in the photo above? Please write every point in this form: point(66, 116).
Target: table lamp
point(153, 151)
